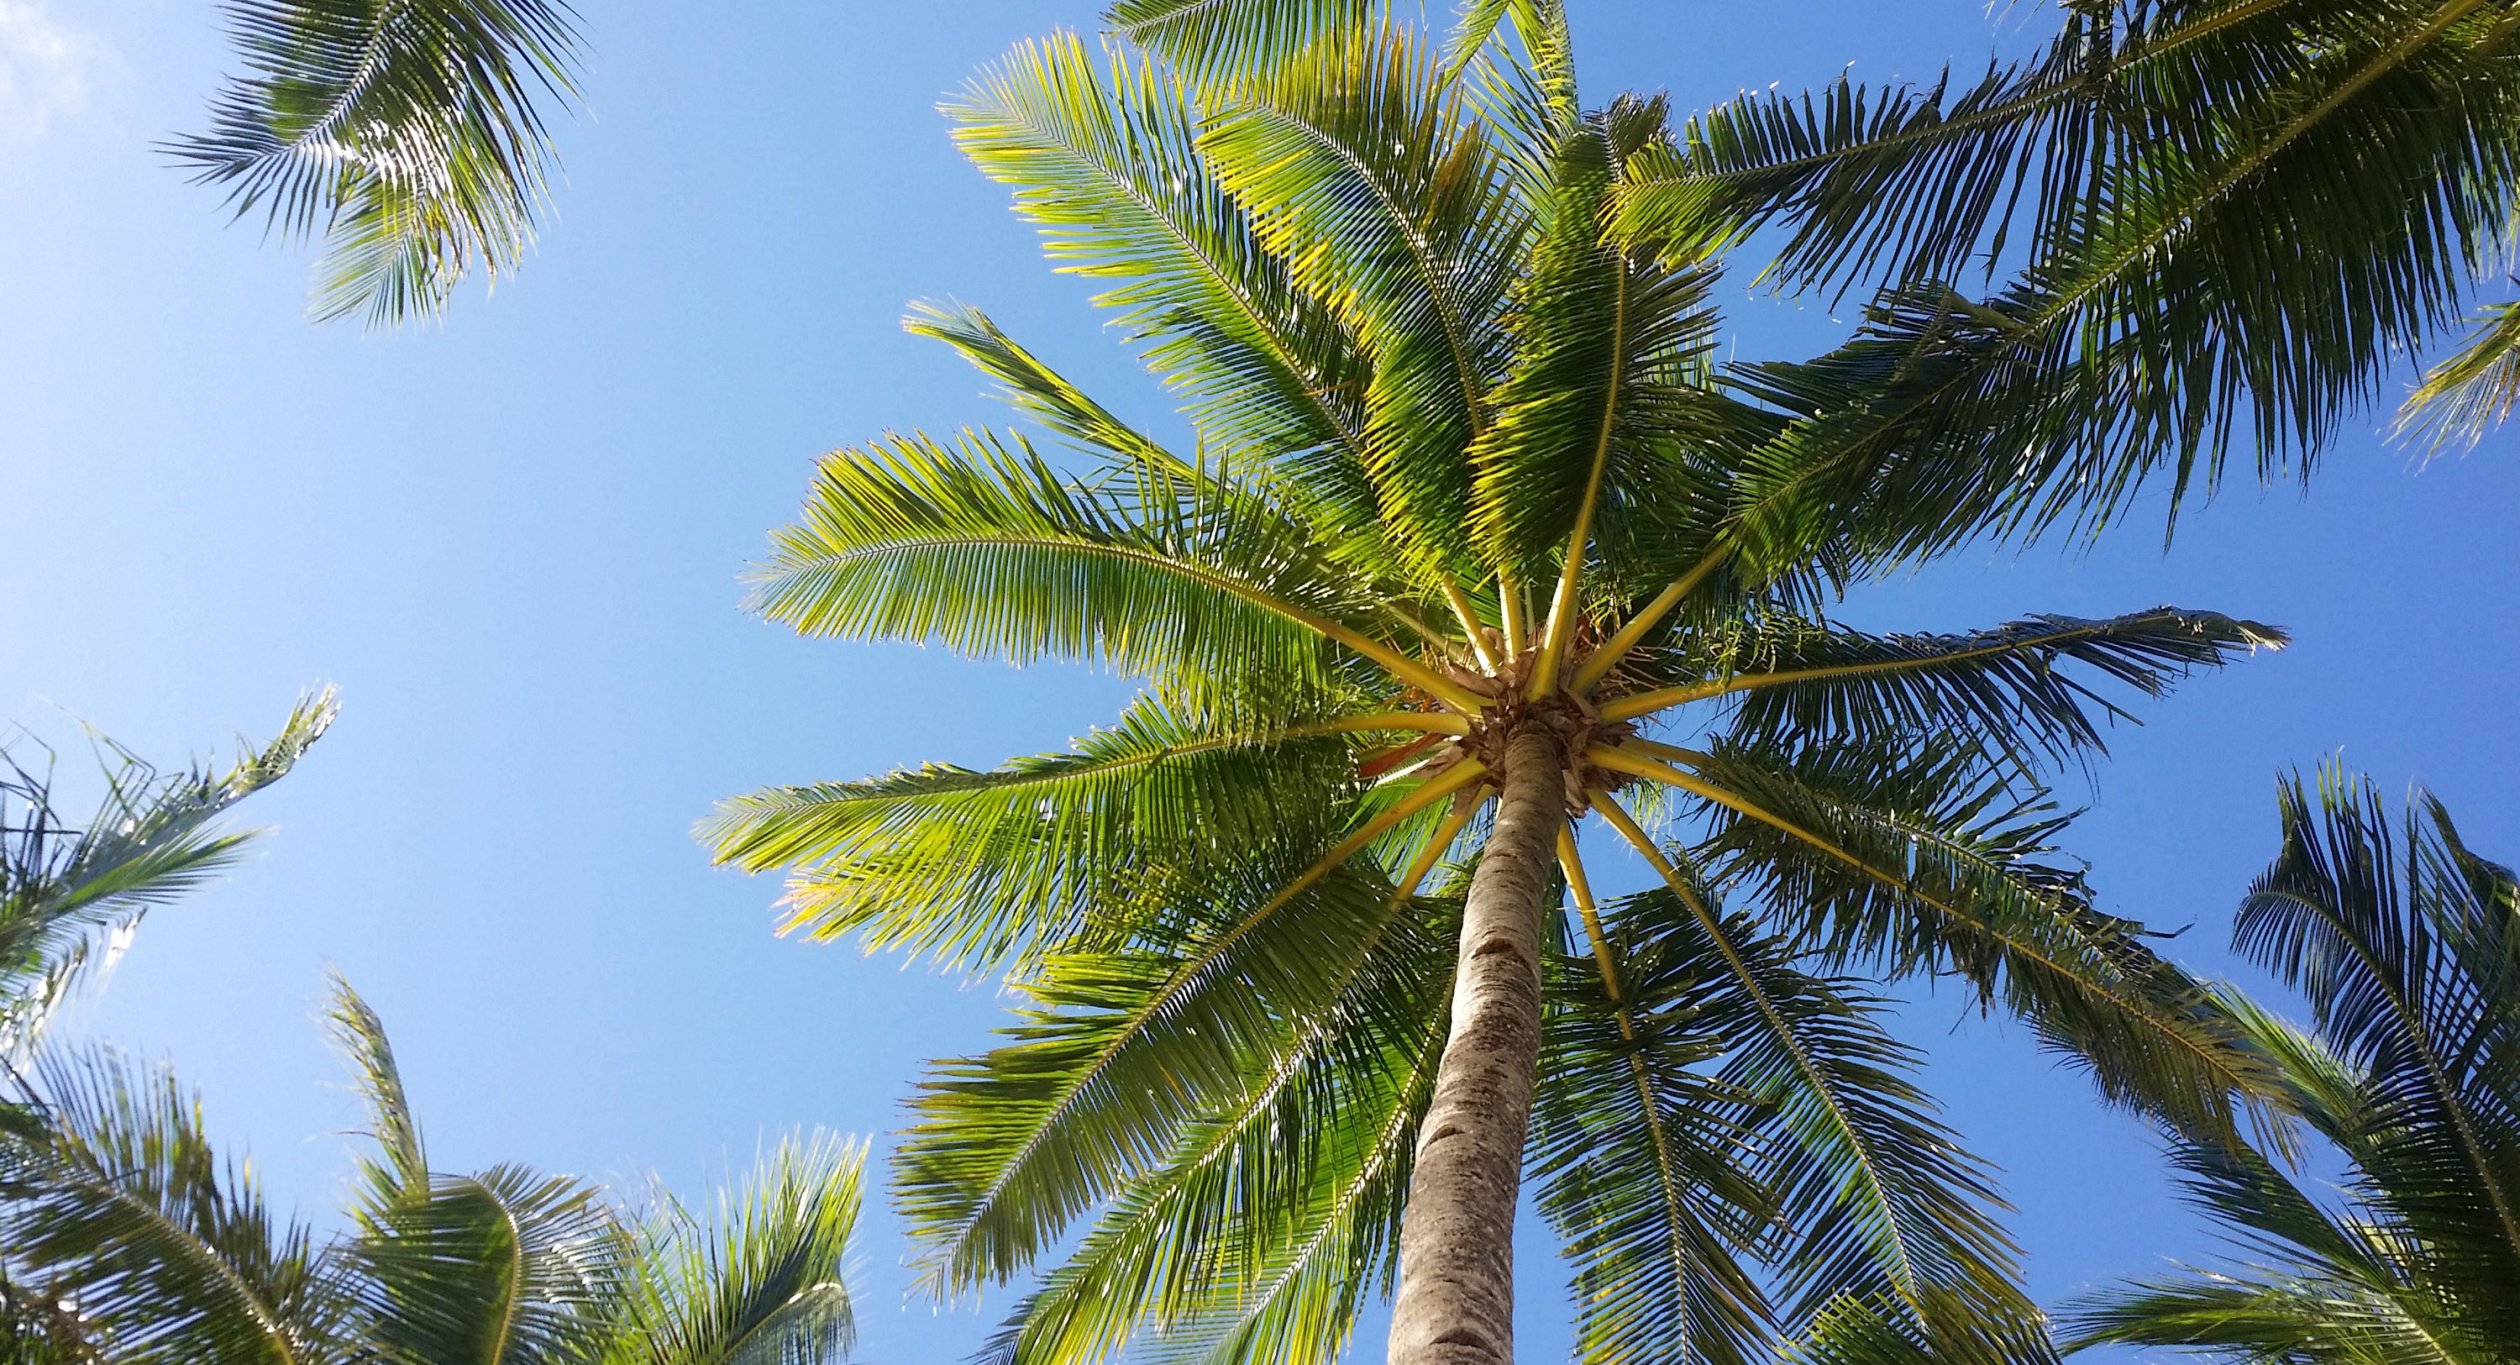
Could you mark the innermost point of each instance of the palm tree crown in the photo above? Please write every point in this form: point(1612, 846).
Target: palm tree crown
point(2408, 947)
point(1477, 546)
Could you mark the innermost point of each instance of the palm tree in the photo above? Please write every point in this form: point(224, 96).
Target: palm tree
point(125, 1238)
point(2408, 948)
point(1477, 547)
point(120, 1207)
point(2232, 219)
point(408, 134)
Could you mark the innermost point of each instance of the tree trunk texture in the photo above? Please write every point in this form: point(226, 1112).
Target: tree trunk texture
point(1456, 1299)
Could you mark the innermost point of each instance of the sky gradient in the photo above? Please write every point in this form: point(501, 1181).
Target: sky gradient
point(513, 541)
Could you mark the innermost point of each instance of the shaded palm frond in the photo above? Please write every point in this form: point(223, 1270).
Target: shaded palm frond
point(1262, 1230)
point(121, 1206)
point(67, 891)
point(410, 136)
point(1928, 861)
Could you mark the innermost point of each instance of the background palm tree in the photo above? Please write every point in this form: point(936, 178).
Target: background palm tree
point(1471, 510)
point(2408, 948)
point(408, 134)
point(125, 1237)
point(117, 1203)
point(2232, 221)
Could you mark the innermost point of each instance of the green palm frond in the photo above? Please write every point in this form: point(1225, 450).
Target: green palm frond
point(122, 1207)
point(1260, 1234)
point(402, 1164)
point(66, 890)
point(507, 1267)
point(2032, 682)
point(1362, 169)
point(1643, 1154)
point(409, 135)
point(1604, 392)
point(2217, 253)
point(1104, 158)
point(1230, 40)
point(1855, 1332)
point(990, 551)
point(984, 868)
point(1927, 862)
point(763, 1279)
point(1122, 1050)
point(1877, 1201)
point(2406, 949)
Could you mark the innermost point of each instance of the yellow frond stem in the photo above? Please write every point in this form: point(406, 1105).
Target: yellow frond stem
point(1465, 806)
point(1471, 630)
point(1421, 722)
point(1668, 753)
point(1581, 887)
point(1509, 611)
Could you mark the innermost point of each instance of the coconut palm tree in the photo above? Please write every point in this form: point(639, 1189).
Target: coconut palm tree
point(408, 134)
point(1476, 550)
point(2232, 221)
point(118, 1206)
point(2408, 948)
point(70, 895)
point(124, 1237)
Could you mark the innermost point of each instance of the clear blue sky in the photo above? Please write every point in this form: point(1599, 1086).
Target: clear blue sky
point(513, 541)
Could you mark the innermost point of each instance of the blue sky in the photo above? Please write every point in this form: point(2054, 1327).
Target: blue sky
point(513, 541)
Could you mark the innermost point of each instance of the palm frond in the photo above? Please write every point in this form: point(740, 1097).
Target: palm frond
point(1123, 1049)
point(68, 891)
point(1797, 681)
point(508, 1267)
point(1362, 169)
point(1104, 158)
point(1604, 389)
point(1928, 862)
point(1876, 1199)
point(2220, 254)
point(410, 136)
point(1228, 41)
point(2410, 957)
point(763, 1279)
point(2471, 390)
point(989, 551)
point(988, 868)
point(1261, 1231)
point(122, 1207)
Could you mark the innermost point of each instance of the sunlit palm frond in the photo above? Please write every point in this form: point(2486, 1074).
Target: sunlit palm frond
point(1103, 157)
point(977, 866)
point(992, 552)
point(2471, 390)
point(1361, 167)
point(410, 136)
point(1226, 41)
point(1262, 1230)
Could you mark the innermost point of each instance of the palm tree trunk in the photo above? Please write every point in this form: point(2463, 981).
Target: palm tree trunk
point(1456, 1300)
